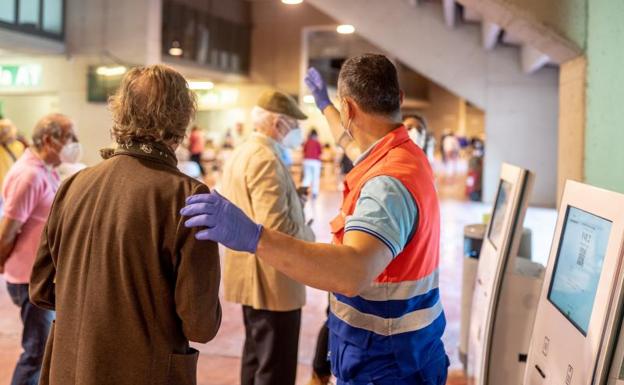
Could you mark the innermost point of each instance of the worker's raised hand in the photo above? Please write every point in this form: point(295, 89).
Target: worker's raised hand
point(318, 88)
point(223, 221)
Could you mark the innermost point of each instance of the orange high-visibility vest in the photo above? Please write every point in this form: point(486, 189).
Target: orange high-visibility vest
point(400, 312)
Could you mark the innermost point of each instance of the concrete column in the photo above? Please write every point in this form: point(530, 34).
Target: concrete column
point(572, 102)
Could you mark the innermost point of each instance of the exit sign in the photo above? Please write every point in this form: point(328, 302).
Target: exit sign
point(20, 76)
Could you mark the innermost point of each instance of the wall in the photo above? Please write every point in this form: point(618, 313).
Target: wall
point(115, 29)
point(276, 42)
point(65, 81)
point(26, 110)
point(572, 115)
point(443, 113)
point(604, 158)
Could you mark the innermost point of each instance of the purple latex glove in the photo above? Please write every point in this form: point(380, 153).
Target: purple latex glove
point(318, 88)
point(225, 223)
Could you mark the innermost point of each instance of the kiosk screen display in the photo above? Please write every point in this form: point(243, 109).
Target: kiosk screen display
point(578, 266)
point(498, 217)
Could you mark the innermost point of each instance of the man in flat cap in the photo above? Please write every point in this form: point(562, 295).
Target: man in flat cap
point(258, 182)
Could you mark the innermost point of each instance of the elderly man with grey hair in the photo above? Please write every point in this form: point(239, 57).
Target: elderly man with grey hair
point(258, 182)
point(28, 191)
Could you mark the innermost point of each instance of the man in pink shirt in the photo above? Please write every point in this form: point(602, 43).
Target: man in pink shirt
point(28, 192)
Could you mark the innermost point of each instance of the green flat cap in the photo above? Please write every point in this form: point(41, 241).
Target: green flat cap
point(280, 103)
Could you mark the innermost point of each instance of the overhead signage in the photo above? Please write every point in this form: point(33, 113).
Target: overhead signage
point(20, 76)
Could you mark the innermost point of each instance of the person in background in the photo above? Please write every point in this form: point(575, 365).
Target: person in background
point(450, 150)
point(196, 147)
point(257, 180)
point(418, 131)
point(129, 283)
point(386, 319)
point(71, 164)
point(11, 149)
point(228, 141)
point(28, 191)
point(239, 134)
point(312, 151)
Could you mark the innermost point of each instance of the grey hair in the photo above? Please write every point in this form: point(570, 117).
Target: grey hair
point(50, 125)
point(261, 118)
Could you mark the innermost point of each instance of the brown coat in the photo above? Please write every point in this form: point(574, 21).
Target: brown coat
point(130, 284)
point(256, 180)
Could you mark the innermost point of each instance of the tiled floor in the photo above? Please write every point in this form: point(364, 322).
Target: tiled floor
point(220, 359)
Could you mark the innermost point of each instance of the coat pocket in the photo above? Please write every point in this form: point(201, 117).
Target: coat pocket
point(183, 368)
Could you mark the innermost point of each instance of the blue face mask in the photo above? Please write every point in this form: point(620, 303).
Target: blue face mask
point(293, 139)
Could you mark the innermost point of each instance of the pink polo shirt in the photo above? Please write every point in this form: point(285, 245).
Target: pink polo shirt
point(28, 193)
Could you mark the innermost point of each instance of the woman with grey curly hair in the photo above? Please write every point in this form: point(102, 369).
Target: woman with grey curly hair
point(153, 104)
point(129, 282)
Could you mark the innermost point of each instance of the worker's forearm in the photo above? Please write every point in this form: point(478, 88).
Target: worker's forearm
point(334, 268)
point(333, 119)
point(338, 132)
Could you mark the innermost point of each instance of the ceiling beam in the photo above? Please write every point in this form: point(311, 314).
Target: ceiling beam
point(525, 27)
point(532, 59)
point(450, 12)
point(489, 34)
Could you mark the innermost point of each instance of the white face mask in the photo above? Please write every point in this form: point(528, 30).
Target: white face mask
point(71, 152)
point(293, 139)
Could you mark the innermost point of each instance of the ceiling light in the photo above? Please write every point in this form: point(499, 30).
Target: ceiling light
point(111, 71)
point(292, 2)
point(201, 85)
point(309, 99)
point(345, 29)
point(175, 49)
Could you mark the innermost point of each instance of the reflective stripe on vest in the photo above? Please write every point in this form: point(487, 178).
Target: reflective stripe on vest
point(383, 291)
point(416, 320)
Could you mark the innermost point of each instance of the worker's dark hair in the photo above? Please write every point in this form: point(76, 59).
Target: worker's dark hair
point(313, 132)
point(371, 80)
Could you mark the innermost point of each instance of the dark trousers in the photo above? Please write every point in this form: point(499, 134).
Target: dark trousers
point(197, 159)
point(321, 364)
point(271, 347)
point(37, 323)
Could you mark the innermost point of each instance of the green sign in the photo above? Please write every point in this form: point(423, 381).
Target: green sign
point(20, 76)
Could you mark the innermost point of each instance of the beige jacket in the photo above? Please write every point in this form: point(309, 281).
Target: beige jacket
point(256, 180)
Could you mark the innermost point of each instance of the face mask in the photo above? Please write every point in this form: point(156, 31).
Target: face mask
point(71, 152)
point(293, 139)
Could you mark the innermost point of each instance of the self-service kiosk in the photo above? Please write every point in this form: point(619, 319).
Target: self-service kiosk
point(473, 239)
point(580, 307)
point(506, 289)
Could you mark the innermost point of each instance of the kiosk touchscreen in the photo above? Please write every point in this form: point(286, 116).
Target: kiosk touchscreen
point(573, 331)
point(501, 241)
